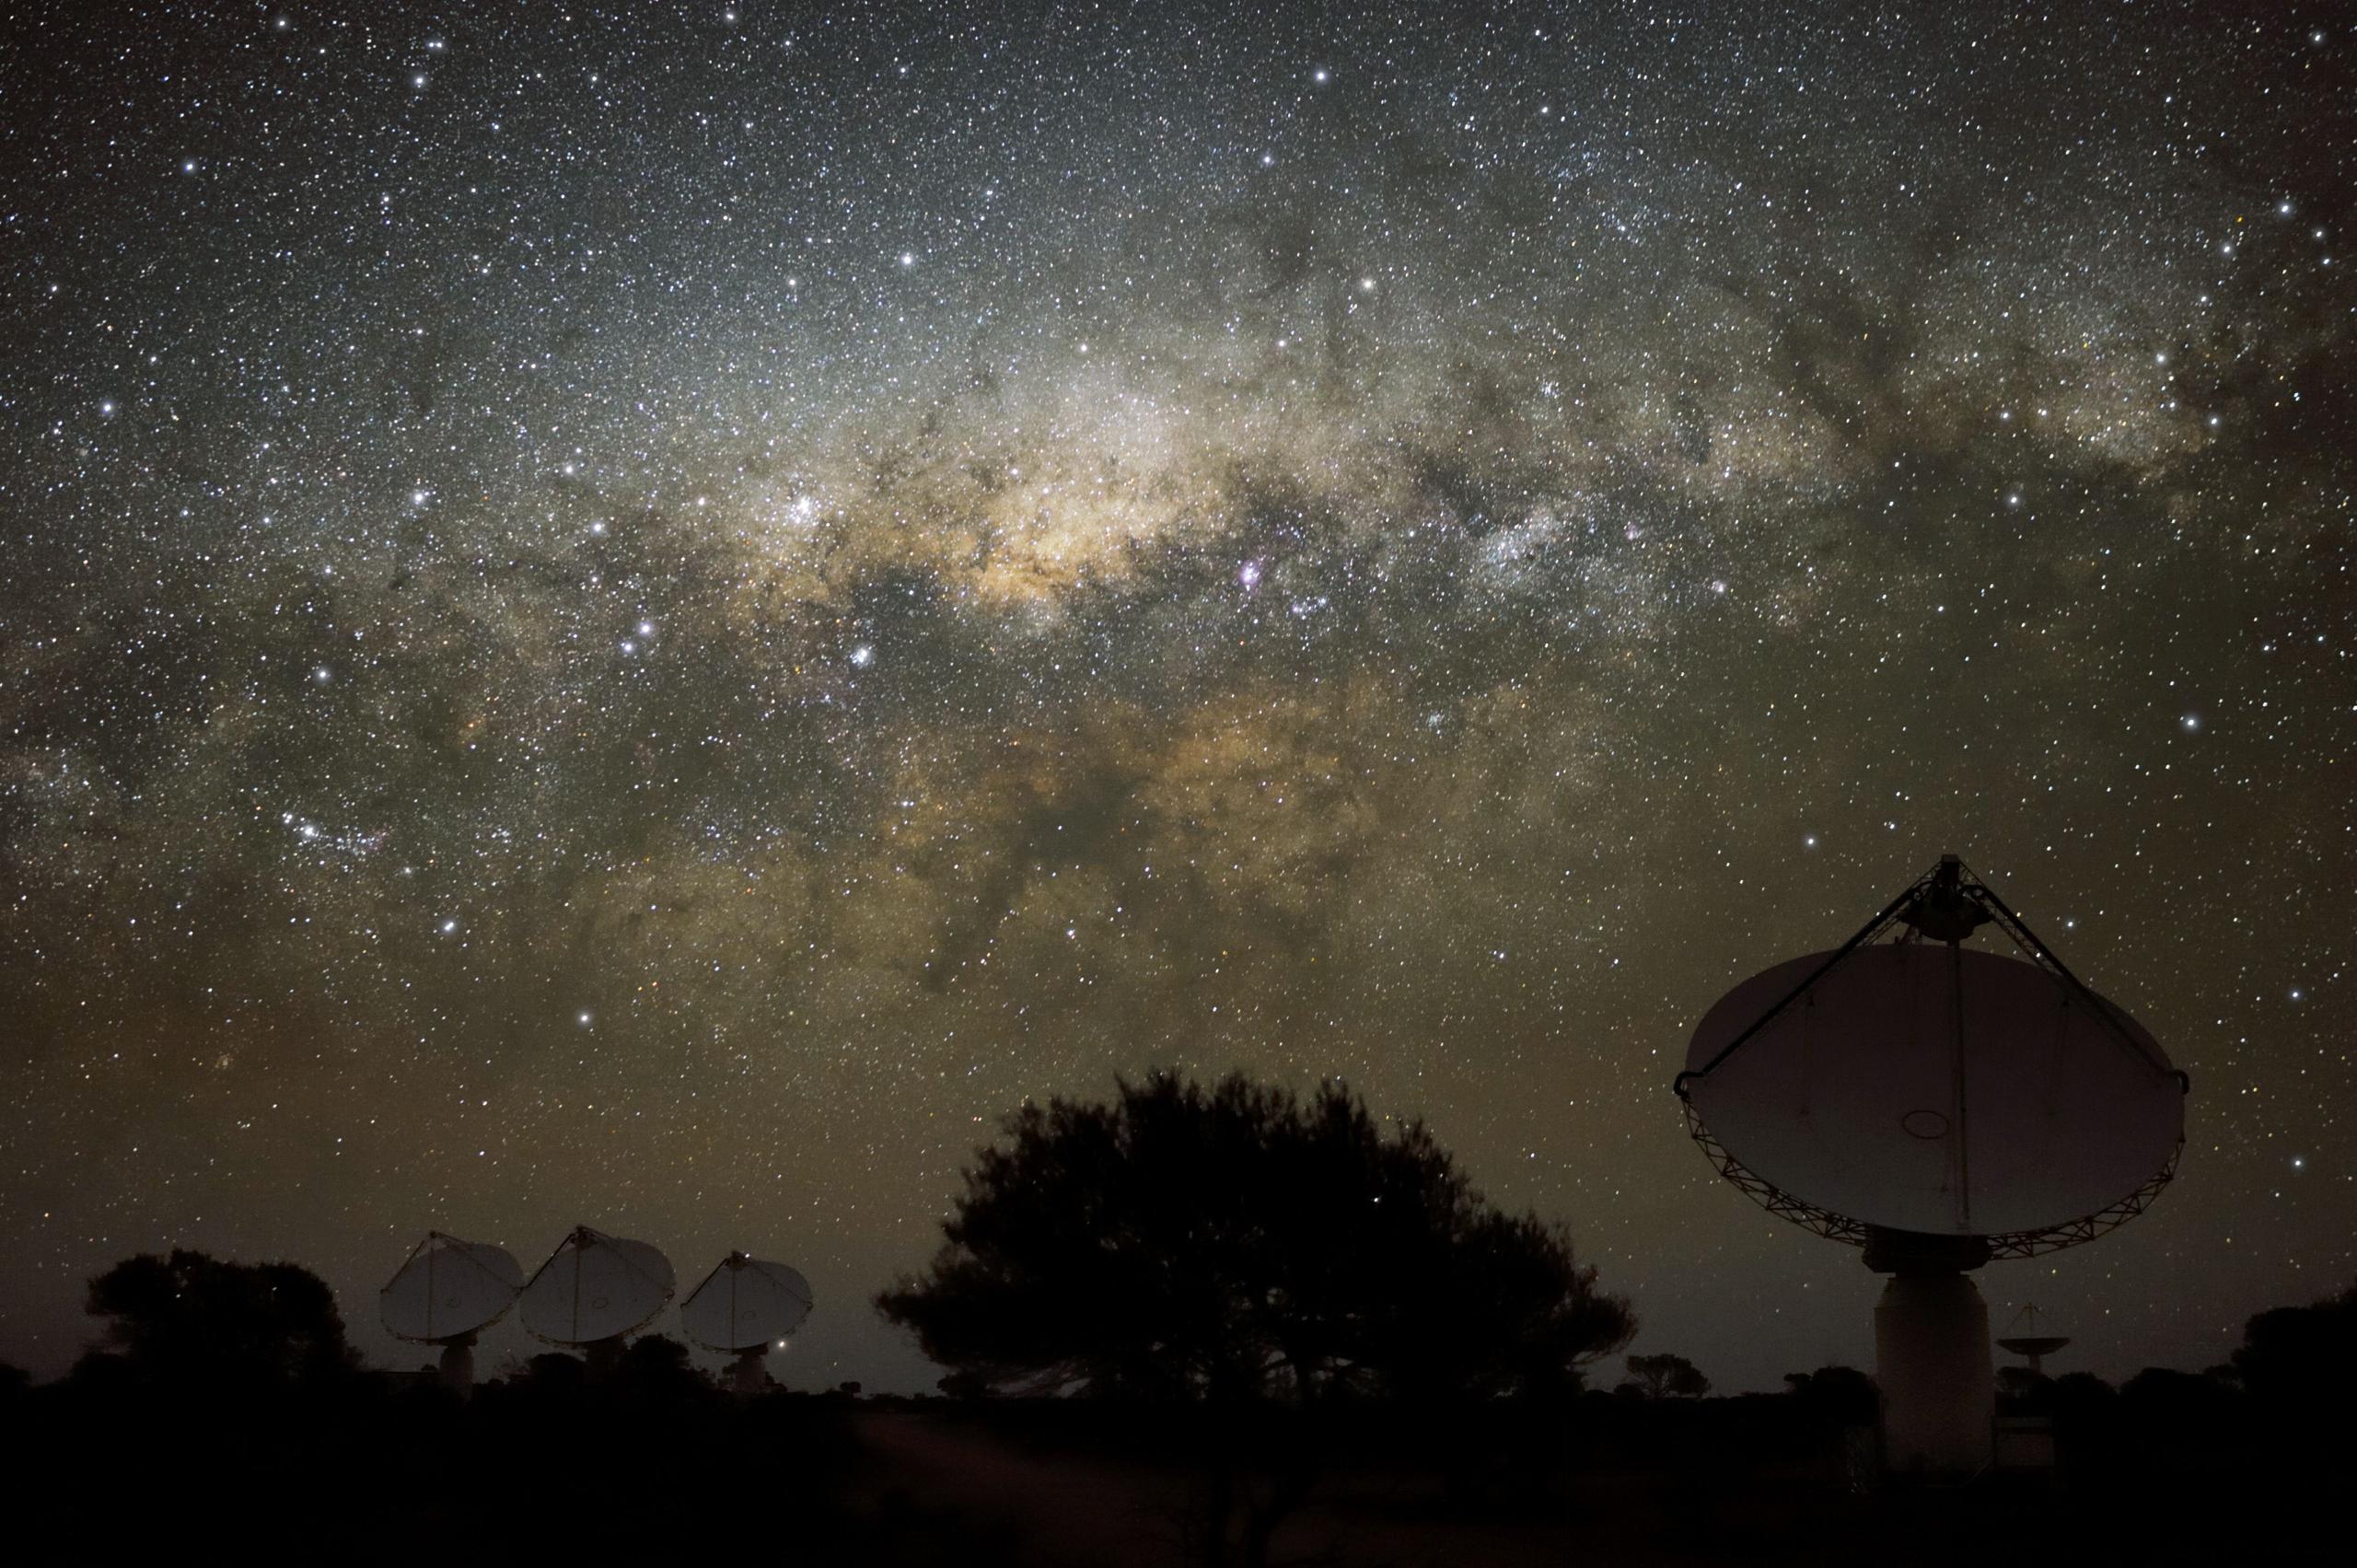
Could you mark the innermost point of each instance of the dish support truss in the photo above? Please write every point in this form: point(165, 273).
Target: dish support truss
point(1857, 1232)
point(1934, 898)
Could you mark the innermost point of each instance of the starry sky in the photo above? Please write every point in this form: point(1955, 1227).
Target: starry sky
point(653, 613)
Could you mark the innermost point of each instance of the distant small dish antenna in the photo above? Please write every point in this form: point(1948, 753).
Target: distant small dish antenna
point(1937, 1108)
point(445, 1292)
point(2022, 1337)
point(594, 1289)
point(743, 1306)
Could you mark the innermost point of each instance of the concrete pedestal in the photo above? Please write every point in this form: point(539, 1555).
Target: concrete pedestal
point(457, 1364)
point(748, 1375)
point(1939, 1390)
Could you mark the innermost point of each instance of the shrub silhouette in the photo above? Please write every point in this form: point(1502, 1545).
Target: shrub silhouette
point(2299, 1364)
point(192, 1318)
point(1235, 1242)
point(1663, 1376)
point(1264, 1256)
point(1842, 1396)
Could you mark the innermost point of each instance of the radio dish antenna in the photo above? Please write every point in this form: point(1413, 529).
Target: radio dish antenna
point(445, 1292)
point(2022, 1338)
point(1937, 1110)
point(595, 1289)
point(743, 1306)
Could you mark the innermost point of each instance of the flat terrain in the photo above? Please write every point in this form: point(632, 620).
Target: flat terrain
point(1063, 1506)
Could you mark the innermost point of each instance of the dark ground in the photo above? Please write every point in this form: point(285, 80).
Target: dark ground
point(1711, 1482)
point(652, 1462)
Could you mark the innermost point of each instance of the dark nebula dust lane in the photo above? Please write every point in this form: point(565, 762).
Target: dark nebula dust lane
point(652, 614)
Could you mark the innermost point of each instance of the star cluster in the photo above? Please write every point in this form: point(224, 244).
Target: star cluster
point(651, 613)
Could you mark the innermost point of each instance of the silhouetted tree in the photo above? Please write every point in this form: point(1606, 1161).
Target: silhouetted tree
point(656, 1357)
point(1239, 1246)
point(2176, 1420)
point(656, 1380)
point(2195, 1392)
point(1238, 1242)
point(2084, 1387)
point(2299, 1364)
point(191, 1316)
point(1660, 1376)
point(1836, 1396)
point(555, 1371)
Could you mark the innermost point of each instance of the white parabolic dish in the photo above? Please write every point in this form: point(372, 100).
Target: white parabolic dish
point(1937, 1089)
point(746, 1303)
point(597, 1286)
point(450, 1288)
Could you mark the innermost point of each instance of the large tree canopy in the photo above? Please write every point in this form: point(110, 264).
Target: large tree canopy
point(190, 1316)
point(1662, 1376)
point(2303, 1358)
point(1238, 1241)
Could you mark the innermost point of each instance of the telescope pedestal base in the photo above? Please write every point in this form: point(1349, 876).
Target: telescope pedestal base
point(456, 1369)
point(748, 1375)
point(1939, 1388)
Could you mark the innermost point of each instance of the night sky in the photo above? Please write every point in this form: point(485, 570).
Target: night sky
point(652, 614)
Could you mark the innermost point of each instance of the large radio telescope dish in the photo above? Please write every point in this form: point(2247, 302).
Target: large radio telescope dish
point(1929, 1089)
point(595, 1286)
point(1939, 1108)
point(447, 1290)
point(1942, 1091)
point(745, 1303)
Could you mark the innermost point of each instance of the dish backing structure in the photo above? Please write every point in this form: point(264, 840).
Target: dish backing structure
point(445, 1292)
point(1937, 1106)
point(743, 1306)
point(595, 1289)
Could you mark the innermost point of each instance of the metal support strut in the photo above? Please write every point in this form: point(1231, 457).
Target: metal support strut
point(1945, 904)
